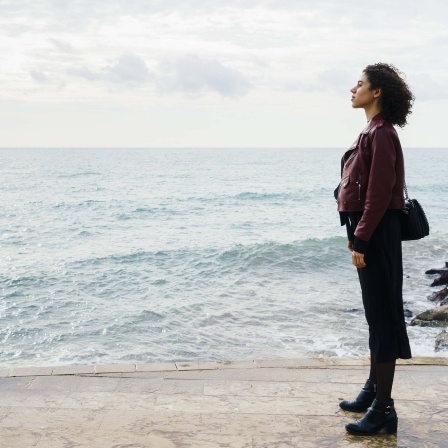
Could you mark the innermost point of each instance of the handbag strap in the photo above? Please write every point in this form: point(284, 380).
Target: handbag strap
point(406, 192)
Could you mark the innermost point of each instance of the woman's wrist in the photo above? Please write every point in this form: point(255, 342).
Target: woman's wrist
point(360, 246)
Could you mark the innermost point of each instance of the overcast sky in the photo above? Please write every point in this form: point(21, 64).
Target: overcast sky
point(209, 73)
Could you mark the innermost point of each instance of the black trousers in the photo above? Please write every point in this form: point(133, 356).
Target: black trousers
point(381, 284)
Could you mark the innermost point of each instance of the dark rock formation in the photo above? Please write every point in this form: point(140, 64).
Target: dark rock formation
point(442, 280)
point(441, 341)
point(435, 317)
point(439, 296)
point(435, 271)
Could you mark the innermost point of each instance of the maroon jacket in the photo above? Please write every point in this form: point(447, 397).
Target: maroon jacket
point(372, 175)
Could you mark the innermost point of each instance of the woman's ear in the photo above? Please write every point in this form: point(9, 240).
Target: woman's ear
point(377, 93)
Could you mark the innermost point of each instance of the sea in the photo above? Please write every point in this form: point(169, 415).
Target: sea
point(165, 255)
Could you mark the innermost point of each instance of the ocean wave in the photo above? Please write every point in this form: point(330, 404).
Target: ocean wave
point(300, 194)
point(308, 255)
point(144, 210)
point(81, 174)
point(130, 258)
point(304, 255)
point(83, 204)
point(254, 196)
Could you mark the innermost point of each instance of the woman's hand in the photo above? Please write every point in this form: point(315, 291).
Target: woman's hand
point(358, 259)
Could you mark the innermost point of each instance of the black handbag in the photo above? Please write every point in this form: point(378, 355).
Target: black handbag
point(414, 224)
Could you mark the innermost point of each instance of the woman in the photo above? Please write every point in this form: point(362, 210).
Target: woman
point(370, 197)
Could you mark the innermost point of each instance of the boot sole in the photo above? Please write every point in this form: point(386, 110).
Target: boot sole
point(390, 427)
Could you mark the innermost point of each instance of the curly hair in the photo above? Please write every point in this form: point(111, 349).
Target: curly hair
point(397, 98)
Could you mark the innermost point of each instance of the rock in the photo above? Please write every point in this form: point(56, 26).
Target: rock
point(435, 317)
point(408, 313)
point(439, 296)
point(442, 341)
point(435, 271)
point(442, 280)
point(354, 310)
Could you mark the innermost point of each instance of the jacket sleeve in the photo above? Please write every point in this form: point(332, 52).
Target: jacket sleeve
point(381, 181)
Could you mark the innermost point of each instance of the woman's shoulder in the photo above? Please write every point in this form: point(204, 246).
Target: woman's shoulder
point(381, 125)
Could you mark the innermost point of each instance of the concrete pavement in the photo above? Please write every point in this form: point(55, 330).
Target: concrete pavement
point(252, 404)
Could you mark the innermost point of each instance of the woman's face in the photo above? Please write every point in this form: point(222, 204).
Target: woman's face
point(362, 96)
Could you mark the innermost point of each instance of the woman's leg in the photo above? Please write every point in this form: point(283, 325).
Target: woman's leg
point(372, 375)
point(368, 393)
point(382, 374)
point(385, 377)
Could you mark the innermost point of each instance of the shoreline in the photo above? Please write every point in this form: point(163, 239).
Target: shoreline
point(286, 363)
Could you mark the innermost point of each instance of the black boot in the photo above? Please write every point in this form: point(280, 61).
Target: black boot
point(379, 416)
point(363, 400)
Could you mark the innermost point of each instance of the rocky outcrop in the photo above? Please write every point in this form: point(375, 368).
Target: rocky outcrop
point(442, 280)
point(443, 275)
point(440, 297)
point(435, 271)
point(435, 317)
point(442, 341)
point(438, 316)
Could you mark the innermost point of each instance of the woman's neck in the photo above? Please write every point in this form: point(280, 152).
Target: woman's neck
point(372, 111)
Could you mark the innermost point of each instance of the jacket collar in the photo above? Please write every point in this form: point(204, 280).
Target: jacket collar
point(376, 121)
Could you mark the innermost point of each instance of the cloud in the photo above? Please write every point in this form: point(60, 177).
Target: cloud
point(129, 70)
point(334, 81)
point(62, 46)
point(192, 74)
point(15, 29)
point(426, 88)
point(337, 81)
point(70, 14)
point(39, 77)
point(83, 72)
